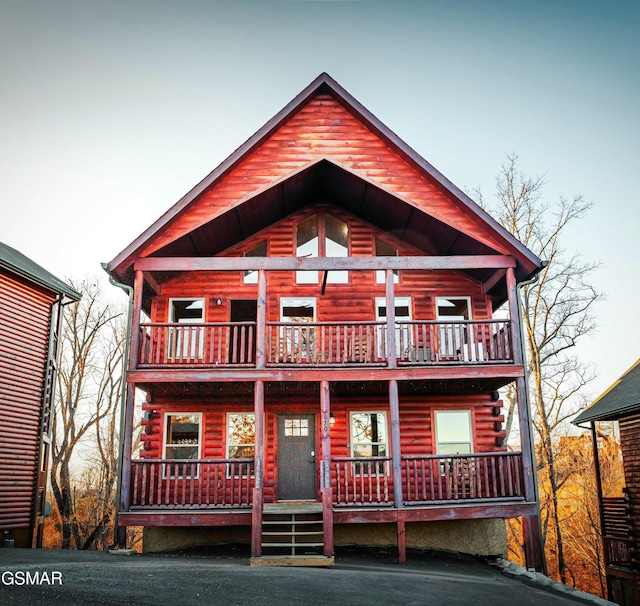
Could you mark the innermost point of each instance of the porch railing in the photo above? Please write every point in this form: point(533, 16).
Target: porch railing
point(210, 343)
point(472, 477)
point(324, 344)
point(180, 483)
point(467, 341)
point(362, 481)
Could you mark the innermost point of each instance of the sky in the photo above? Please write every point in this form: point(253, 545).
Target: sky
point(112, 110)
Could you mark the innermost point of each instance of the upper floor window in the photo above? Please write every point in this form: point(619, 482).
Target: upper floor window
point(260, 250)
point(322, 235)
point(186, 341)
point(453, 432)
point(385, 250)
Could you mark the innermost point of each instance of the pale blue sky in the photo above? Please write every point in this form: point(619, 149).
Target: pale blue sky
point(111, 110)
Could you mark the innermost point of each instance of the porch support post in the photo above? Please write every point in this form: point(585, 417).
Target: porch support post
point(261, 320)
point(396, 464)
point(325, 469)
point(402, 542)
point(532, 533)
point(256, 514)
point(391, 319)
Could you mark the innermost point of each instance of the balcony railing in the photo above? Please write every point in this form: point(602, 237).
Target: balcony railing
point(325, 344)
point(473, 477)
point(187, 483)
point(356, 481)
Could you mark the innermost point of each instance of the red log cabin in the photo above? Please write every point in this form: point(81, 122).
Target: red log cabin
point(31, 307)
point(313, 326)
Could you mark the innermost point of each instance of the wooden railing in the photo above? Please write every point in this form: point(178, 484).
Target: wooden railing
point(362, 481)
point(325, 344)
point(210, 343)
point(615, 533)
point(468, 341)
point(473, 477)
point(180, 483)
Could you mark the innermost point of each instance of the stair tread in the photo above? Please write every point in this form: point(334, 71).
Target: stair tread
point(284, 533)
point(292, 544)
point(290, 522)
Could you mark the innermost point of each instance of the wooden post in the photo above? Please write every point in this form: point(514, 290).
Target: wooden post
point(396, 463)
point(256, 514)
point(325, 469)
point(402, 542)
point(532, 533)
point(261, 320)
point(391, 320)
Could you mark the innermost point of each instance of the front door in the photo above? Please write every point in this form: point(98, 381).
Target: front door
point(296, 457)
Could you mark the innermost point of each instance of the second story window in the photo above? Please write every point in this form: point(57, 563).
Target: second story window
point(322, 235)
point(186, 342)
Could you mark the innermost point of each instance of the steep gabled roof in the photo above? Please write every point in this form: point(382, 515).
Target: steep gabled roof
point(17, 263)
point(621, 399)
point(528, 263)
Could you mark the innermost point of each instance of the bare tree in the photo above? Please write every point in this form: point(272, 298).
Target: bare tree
point(557, 313)
point(88, 390)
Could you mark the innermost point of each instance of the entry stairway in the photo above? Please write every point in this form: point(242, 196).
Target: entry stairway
point(292, 535)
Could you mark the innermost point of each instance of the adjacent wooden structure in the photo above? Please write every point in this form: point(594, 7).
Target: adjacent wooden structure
point(31, 302)
point(620, 516)
point(315, 322)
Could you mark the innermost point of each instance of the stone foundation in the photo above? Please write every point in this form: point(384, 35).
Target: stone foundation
point(477, 537)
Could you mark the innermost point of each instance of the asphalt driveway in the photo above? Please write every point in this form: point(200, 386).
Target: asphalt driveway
point(73, 577)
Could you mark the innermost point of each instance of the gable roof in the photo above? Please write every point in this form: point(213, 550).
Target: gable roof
point(120, 266)
point(17, 263)
point(621, 399)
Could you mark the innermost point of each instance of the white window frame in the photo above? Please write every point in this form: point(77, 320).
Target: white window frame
point(352, 444)
point(180, 350)
point(165, 436)
point(450, 343)
point(438, 442)
point(289, 335)
point(227, 436)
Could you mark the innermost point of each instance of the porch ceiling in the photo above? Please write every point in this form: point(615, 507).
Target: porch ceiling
point(328, 183)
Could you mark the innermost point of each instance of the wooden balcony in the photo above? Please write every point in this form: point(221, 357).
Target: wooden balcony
point(192, 484)
point(429, 479)
point(325, 344)
point(211, 484)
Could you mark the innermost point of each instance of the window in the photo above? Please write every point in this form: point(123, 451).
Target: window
point(457, 337)
point(296, 427)
point(369, 437)
point(296, 341)
point(322, 235)
point(182, 441)
point(186, 341)
point(385, 250)
point(260, 250)
point(453, 432)
point(241, 435)
point(241, 438)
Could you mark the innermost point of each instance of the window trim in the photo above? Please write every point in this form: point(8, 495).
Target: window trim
point(227, 416)
point(437, 442)
point(170, 312)
point(384, 464)
point(165, 444)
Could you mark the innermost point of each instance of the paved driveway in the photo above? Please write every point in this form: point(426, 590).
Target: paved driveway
point(101, 578)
